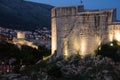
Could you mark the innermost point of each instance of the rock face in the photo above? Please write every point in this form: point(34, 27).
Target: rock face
point(79, 31)
point(24, 15)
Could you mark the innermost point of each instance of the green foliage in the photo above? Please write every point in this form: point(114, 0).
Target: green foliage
point(111, 50)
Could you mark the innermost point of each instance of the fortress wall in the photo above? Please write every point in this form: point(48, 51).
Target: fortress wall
point(114, 32)
point(77, 31)
point(54, 36)
point(59, 23)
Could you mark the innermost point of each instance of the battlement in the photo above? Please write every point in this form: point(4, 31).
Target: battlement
point(80, 11)
point(66, 11)
point(110, 14)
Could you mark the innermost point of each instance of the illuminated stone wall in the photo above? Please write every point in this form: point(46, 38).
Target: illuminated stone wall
point(114, 32)
point(54, 36)
point(79, 31)
point(20, 40)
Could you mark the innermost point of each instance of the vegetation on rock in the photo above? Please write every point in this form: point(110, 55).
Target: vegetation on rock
point(77, 68)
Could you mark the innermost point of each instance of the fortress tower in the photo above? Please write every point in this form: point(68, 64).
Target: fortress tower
point(20, 35)
point(79, 31)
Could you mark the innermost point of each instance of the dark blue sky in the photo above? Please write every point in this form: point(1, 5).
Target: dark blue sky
point(89, 4)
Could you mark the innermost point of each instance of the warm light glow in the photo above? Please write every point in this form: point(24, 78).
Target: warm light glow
point(54, 36)
point(53, 47)
point(100, 48)
point(110, 37)
point(111, 44)
point(20, 42)
point(65, 48)
point(83, 47)
point(80, 46)
point(98, 40)
point(76, 44)
point(65, 45)
point(66, 53)
point(117, 36)
point(45, 58)
point(118, 43)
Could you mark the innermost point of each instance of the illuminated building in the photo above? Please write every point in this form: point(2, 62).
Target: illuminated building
point(79, 31)
point(20, 35)
point(20, 40)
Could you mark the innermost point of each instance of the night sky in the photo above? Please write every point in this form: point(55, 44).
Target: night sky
point(89, 4)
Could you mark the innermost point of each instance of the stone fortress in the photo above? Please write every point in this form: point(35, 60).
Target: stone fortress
point(21, 40)
point(79, 31)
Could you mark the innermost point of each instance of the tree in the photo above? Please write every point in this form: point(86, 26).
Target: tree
point(8, 50)
point(111, 50)
point(29, 55)
point(44, 51)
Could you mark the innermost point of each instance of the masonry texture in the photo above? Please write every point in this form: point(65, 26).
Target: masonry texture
point(79, 31)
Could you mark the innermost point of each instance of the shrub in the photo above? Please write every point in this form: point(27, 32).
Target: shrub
point(111, 50)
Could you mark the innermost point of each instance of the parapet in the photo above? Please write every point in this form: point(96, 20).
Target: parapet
point(80, 11)
point(66, 11)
